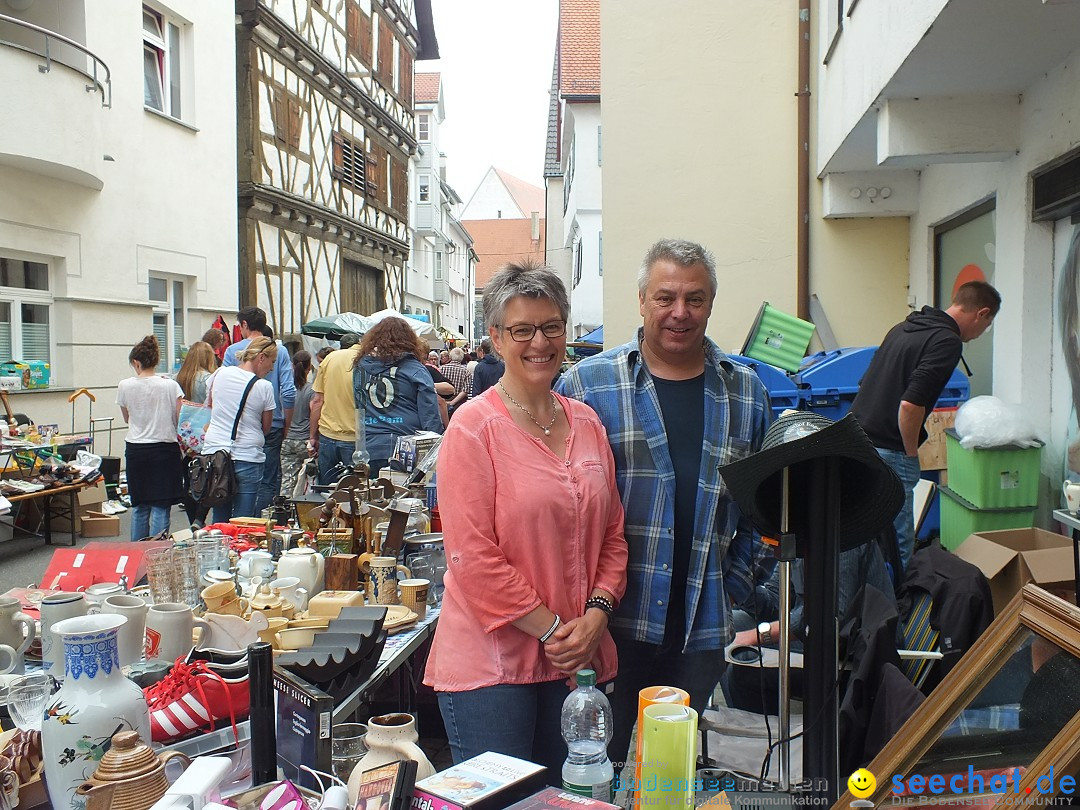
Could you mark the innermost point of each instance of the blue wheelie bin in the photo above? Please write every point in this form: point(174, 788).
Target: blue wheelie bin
point(783, 393)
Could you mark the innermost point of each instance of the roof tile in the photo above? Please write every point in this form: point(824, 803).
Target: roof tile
point(498, 241)
point(579, 48)
point(426, 88)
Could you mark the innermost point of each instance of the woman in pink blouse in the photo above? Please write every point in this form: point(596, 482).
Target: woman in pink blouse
point(533, 525)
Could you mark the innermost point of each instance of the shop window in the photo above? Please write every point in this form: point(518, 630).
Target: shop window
point(25, 310)
point(162, 75)
point(169, 317)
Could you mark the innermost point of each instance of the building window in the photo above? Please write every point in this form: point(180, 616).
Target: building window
point(600, 253)
point(167, 297)
point(350, 166)
point(287, 112)
point(425, 188)
point(25, 309)
point(162, 38)
point(599, 148)
point(423, 127)
point(579, 249)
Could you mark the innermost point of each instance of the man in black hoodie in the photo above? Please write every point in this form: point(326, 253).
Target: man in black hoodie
point(905, 379)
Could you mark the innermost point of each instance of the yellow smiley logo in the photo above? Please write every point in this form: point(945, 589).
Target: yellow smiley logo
point(861, 783)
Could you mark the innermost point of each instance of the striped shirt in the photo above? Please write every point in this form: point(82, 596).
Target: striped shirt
point(727, 556)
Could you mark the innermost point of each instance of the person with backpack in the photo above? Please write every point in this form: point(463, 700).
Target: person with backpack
point(242, 407)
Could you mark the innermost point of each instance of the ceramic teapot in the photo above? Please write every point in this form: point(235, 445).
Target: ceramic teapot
point(256, 563)
point(307, 565)
point(270, 604)
point(130, 776)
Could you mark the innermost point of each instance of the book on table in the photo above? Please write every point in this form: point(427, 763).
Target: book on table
point(489, 781)
point(387, 787)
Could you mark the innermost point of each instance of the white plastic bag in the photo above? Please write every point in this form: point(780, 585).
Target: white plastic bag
point(85, 458)
point(990, 422)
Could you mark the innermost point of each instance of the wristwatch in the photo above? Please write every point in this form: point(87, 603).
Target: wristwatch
point(764, 631)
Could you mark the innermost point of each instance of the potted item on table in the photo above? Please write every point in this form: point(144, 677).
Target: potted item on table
point(129, 777)
point(390, 737)
point(95, 702)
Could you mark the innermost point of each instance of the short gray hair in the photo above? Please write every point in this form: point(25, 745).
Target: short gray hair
point(528, 279)
point(681, 252)
point(457, 355)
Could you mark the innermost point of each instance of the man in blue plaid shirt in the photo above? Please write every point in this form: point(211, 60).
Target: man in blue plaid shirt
point(675, 409)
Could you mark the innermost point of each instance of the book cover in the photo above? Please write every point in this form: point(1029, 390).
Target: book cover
point(484, 782)
point(304, 713)
point(553, 798)
point(387, 787)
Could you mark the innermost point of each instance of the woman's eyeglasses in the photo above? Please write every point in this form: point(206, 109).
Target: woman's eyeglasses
point(524, 332)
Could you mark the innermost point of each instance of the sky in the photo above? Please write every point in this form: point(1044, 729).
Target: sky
point(496, 72)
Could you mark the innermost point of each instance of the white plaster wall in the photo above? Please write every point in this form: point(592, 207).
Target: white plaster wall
point(491, 198)
point(583, 214)
point(557, 259)
point(168, 204)
point(876, 39)
point(1025, 263)
point(702, 147)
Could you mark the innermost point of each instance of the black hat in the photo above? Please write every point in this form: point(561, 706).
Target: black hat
point(870, 492)
point(349, 339)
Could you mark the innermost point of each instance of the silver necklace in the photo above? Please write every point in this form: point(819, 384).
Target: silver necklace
point(528, 413)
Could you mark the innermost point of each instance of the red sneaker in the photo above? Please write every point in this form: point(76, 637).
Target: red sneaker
point(194, 698)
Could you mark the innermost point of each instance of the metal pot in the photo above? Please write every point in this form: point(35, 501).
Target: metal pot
point(432, 546)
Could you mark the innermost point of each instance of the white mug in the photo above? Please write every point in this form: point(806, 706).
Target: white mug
point(1071, 490)
point(256, 563)
point(169, 629)
point(131, 636)
point(10, 658)
point(55, 608)
point(97, 593)
point(289, 588)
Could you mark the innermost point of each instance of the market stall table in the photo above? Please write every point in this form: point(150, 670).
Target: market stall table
point(396, 657)
point(50, 509)
point(1067, 518)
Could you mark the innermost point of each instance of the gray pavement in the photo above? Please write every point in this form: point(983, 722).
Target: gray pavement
point(23, 559)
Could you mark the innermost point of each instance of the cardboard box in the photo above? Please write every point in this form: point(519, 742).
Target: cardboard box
point(92, 494)
point(98, 524)
point(34, 373)
point(932, 452)
point(10, 383)
point(1011, 558)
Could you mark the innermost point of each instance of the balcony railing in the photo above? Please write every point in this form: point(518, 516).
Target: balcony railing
point(99, 74)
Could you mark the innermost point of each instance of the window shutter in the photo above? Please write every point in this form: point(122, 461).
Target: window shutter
point(279, 113)
point(400, 187)
point(295, 119)
point(352, 28)
point(406, 78)
point(365, 38)
point(372, 173)
point(386, 53)
point(337, 143)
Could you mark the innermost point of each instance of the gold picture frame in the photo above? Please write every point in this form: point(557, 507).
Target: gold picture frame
point(1036, 633)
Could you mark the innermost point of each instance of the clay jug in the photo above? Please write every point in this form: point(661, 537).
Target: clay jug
point(390, 737)
point(130, 776)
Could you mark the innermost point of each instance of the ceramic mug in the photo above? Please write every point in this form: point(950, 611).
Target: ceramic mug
point(97, 593)
point(169, 630)
point(289, 588)
point(383, 579)
point(414, 596)
point(55, 608)
point(130, 638)
point(9, 784)
point(1071, 490)
point(221, 598)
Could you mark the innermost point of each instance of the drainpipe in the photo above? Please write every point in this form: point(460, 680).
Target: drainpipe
point(802, 233)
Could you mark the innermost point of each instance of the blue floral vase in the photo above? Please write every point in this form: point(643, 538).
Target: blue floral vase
point(96, 701)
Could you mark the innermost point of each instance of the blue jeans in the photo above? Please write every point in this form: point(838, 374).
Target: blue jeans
point(148, 521)
point(519, 720)
point(271, 471)
point(248, 475)
point(907, 468)
point(332, 451)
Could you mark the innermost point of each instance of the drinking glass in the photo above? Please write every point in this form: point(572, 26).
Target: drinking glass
point(423, 567)
point(347, 748)
point(186, 562)
point(26, 698)
point(162, 575)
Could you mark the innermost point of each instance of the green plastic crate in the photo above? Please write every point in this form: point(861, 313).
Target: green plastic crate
point(993, 477)
point(778, 339)
point(960, 518)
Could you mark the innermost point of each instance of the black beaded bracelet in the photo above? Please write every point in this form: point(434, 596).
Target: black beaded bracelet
point(602, 603)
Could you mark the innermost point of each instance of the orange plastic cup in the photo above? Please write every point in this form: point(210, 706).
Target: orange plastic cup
point(647, 697)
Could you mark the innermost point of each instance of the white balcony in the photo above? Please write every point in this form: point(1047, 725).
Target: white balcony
point(54, 111)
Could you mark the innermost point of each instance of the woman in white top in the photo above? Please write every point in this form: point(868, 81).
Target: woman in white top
point(226, 388)
point(151, 405)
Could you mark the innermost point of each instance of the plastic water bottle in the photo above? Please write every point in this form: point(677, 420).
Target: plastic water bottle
point(586, 727)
